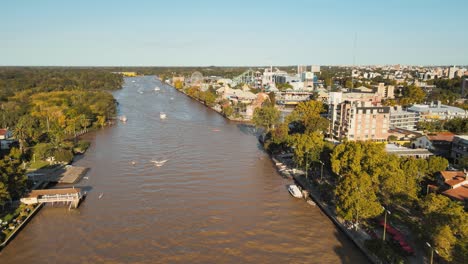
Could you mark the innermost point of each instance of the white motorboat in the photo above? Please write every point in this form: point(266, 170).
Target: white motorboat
point(295, 191)
point(157, 88)
point(159, 163)
point(162, 115)
point(123, 119)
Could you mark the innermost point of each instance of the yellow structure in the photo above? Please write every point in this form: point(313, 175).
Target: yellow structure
point(128, 74)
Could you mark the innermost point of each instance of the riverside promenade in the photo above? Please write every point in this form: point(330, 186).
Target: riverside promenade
point(357, 236)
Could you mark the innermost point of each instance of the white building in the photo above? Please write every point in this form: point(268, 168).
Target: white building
point(400, 118)
point(438, 111)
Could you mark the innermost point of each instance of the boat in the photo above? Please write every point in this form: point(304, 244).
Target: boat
point(294, 191)
point(157, 88)
point(162, 115)
point(159, 163)
point(123, 119)
point(311, 202)
point(100, 196)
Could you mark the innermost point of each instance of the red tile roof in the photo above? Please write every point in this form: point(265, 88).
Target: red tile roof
point(453, 177)
point(3, 131)
point(441, 136)
point(460, 193)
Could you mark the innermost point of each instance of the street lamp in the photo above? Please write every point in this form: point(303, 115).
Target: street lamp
point(385, 222)
point(432, 251)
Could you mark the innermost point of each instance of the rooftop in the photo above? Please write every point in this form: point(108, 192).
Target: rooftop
point(460, 193)
point(464, 137)
point(404, 151)
point(441, 136)
point(36, 193)
point(3, 131)
point(453, 177)
point(437, 108)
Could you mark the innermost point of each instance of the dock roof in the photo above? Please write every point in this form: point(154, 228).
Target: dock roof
point(37, 193)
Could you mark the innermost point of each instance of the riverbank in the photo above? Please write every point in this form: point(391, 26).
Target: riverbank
point(240, 120)
point(358, 236)
point(13, 234)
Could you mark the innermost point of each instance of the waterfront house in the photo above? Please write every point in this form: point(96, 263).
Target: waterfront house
point(439, 143)
point(6, 138)
point(5, 133)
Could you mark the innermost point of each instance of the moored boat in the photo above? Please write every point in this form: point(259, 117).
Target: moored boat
point(295, 191)
point(162, 115)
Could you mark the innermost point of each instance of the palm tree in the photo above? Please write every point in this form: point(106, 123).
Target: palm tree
point(21, 134)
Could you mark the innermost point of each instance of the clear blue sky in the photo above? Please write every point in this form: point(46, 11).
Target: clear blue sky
point(237, 32)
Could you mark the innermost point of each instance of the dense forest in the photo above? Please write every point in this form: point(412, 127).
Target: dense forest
point(45, 108)
point(47, 79)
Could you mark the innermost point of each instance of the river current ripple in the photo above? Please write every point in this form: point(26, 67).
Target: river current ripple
point(218, 198)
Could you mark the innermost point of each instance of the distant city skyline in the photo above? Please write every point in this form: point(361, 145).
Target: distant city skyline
point(236, 33)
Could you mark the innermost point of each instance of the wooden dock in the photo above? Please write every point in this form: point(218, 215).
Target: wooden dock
point(72, 196)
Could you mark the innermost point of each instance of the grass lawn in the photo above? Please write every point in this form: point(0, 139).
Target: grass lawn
point(37, 165)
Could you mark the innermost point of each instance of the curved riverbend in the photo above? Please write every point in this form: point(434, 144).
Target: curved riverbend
point(218, 198)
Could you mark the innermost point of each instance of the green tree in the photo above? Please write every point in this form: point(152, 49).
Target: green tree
point(355, 198)
point(227, 110)
point(436, 164)
point(444, 241)
point(396, 185)
point(307, 147)
point(346, 158)
point(307, 114)
point(412, 94)
point(13, 177)
point(178, 84)
point(4, 194)
point(210, 99)
point(266, 117)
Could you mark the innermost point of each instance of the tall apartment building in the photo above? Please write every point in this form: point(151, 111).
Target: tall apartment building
point(358, 120)
point(386, 91)
point(400, 118)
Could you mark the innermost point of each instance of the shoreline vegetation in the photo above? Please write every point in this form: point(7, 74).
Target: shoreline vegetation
point(45, 111)
point(360, 183)
point(210, 106)
point(298, 178)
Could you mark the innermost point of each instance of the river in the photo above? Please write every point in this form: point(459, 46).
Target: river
point(217, 199)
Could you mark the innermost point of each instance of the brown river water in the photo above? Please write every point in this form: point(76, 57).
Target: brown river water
point(217, 199)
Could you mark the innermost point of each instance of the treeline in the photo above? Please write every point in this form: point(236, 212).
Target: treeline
point(45, 108)
point(169, 72)
point(365, 179)
point(47, 79)
point(456, 125)
point(369, 178)
point(54, 117)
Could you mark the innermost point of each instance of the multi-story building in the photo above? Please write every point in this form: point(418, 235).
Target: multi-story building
point(400, 118)
point(358, 120)
point(438, 111)
point(459, 149)
point(386, 91)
